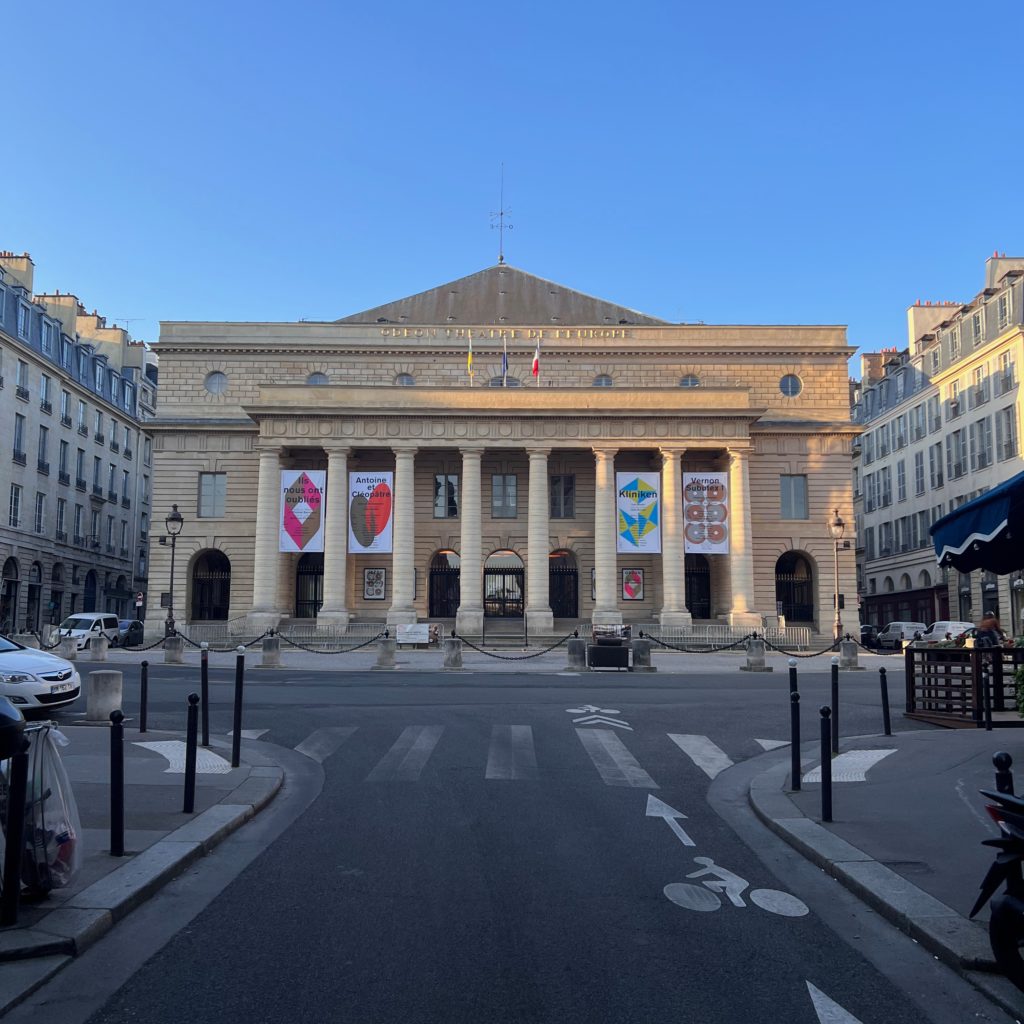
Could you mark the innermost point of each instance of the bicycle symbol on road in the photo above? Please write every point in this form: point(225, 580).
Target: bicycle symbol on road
point(703, 897)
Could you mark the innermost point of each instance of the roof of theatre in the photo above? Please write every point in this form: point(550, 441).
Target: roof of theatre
point(503, 295)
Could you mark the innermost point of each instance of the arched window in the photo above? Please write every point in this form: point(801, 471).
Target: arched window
point(794, 587)
point(603, 380)
point(211, 586)
point(924, 579)
point(503, 585)
point(405, 380)
point(905, 583)
point(689, 381)
point(317, 379)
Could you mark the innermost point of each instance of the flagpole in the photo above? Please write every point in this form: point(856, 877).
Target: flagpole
point(469, 359)
point(504, 362)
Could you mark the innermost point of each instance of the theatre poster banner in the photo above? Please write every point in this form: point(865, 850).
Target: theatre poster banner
point(638, 513)
point(706, 513)
point(302, 510)
point(370, 513)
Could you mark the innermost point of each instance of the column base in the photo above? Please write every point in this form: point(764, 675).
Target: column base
point(260, 622)
point(745, 620)
point(540, 621)
point(469, 621)
point(401, 616)
point(336, 617)
point(604, 617)
point(675, 618)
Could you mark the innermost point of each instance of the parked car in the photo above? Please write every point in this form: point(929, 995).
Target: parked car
point(130, 632)
point(896, 632)
point(869, 635)
point(34, 679)
point(83, 627)
point(944, 629)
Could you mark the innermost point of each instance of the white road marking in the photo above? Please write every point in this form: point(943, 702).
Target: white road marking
point(319, 745)
point(207, 762)
point(590, 709)
point(595, 719)
point(659, 809)
point(511, 755)
point(709, 758)
point(407, 757)
point(250, 734)
point(829, 1011)
point(772, 744)
point(853, 766)
point(616, 764)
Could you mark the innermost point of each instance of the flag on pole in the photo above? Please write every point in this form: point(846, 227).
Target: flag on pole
point(536, 362)
point(504, 363)
point(469, 359)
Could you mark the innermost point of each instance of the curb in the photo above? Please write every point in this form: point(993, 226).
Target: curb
point(31, 957)
point(952, 938)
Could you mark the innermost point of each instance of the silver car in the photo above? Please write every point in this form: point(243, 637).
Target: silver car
point(33, 679)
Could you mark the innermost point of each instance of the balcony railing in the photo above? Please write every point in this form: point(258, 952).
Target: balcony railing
point(126, 502)
point(65, 421)
point(21, 393)
point(46, 407)
point(64, 478)
point(124, 552)
point(19, 457)
point(1008, 450)
point(97, 491)
point(83, 430)
point(80, 483)
point(114, 446)
point(95, 543)
point(62, 536)
point(43, 466)
point(79, 540)
point(112, 496)
point(110, 549)
point(127, 453)
point(100, 439)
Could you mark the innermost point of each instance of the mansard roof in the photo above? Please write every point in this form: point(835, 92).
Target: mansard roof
point(502, 295)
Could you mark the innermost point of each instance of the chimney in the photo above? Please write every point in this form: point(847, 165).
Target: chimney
point(21, 268)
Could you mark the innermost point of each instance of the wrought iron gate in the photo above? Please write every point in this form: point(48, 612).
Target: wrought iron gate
point(445, 590)
point(503, 593)
point(309, 586)
point(697, 576)
point(563, 585)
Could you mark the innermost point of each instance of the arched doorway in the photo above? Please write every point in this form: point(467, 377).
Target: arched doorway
point(56, 593)
point(9, 596)
point(445, 589)
point(309, 585)
point(34, 602)
point(211, 587)
point(563, 584)
point(794, 587)
point(697, 576)
point(89, 598)
point(503, 585)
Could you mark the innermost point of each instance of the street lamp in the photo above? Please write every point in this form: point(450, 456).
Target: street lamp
point(173, 524)
point(836, 527)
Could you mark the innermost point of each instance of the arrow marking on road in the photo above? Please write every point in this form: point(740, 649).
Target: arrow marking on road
point(207, 762)
point(596, 719)
point(828, 1010)
point(659, 809)
point(853, 766)
point(590, 709)
point(772, 744)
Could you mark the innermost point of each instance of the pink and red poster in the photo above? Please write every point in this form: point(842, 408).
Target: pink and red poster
point(302, 510)
point(369, 513)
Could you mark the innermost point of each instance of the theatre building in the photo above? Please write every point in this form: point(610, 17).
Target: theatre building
point(406, 463)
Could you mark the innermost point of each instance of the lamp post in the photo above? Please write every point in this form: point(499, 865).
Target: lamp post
point(1017, 625)
point(173, 524)
point(836, 527)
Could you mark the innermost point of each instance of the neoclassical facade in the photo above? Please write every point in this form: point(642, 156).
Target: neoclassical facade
point(504, 483)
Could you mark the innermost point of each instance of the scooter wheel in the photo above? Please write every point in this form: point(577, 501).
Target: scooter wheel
point(1006, 933)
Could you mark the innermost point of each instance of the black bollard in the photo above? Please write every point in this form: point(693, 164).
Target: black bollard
point(191, 731)
point(144, 697)
point(116, 784)
point(1004, 777)
point(826, 766)
point(835, 705)
point(17, 794)
point(236, 735)
point(794, 740)
point(883, 682)
point(793, 687)
point(204, 690)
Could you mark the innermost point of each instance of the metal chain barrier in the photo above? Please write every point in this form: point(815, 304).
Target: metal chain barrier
point(148, 647)
point(834, 646)
point(695, 650)
point(341, 650)
point(873, 650)
point(516, 657)
point(220, 650)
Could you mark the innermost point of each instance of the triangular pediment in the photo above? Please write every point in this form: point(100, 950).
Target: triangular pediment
point(503, 296)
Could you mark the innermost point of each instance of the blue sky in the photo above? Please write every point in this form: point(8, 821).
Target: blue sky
point(740, 163)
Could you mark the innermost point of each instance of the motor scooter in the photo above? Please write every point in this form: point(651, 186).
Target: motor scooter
point(1006, 924)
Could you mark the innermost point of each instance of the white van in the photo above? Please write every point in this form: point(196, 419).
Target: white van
point(85, 626)
point(948, 629)
point(896, 632)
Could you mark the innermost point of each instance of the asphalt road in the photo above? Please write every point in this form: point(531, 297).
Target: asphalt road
point(477, 853)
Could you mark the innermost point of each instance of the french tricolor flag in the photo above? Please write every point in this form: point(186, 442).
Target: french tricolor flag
point(536, 362)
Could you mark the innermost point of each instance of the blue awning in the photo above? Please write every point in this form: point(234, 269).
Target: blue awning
point(987, 533)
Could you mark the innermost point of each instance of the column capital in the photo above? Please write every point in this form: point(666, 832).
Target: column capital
point(337, 450)
point(409, 450)
point(738, 454)
point(605, 453)
point(538, 452)
point(668, 453)
point(472, 452)
point(269, 449)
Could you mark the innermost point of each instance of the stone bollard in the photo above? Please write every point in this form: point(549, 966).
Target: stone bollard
point(452, 652)
point(577, 648)
point(98, 647)
point(174, 650)
point(26, 640)
point(103, 695)
point(848, 657)
point(271, 652)
point(68, 649)
point(642, 656)
point(50, 634)
point(385, 653)
point(755, 657)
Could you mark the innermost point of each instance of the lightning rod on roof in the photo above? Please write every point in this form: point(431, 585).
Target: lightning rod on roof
point(498, 218)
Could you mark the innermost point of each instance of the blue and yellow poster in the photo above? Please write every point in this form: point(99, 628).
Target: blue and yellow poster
point(638, 513)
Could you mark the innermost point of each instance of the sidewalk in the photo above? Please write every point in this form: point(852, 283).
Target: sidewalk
point(160, 842)
point(908, 839)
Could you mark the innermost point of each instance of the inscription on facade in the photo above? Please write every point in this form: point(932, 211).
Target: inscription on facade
point(507, 333)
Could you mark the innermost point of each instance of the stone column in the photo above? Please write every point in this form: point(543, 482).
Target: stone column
point(741, 552)
point(673, 558)
point(606, 607)
point(469, 620)
point(333, 611)
point(265, 613)
point(540, 618)
point(403, 561)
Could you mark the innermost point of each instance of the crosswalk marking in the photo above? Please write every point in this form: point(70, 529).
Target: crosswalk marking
point(616, 764)
point(408, 755)
point(321, 744)
point(511, 755)
point(207, 762)
point(708, 757)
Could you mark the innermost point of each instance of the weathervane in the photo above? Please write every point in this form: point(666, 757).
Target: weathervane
point(498, 219)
